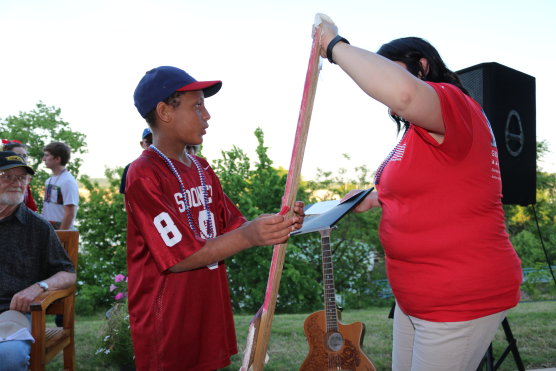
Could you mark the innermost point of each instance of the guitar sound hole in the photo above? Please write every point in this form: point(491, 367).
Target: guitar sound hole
point(334, 341)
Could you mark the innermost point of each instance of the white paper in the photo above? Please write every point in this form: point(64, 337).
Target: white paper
point(21, 334)
point(321, 207)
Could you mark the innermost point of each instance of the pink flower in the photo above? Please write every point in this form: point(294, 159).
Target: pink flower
point(119, 278)
point(119, 296)
point(112, 288)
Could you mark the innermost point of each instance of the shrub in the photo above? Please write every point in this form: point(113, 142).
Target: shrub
point(115, 345)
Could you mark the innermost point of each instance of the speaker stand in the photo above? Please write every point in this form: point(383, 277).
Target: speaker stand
point(489, 361)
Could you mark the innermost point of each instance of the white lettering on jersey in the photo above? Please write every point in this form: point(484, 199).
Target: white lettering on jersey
point(179, 200)
point(203, 221)
point(167, 229)
point(194, 196)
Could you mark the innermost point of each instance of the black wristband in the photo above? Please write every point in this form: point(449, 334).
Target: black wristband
point(331, 45)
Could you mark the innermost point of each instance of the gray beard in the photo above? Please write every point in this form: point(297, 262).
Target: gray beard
point(11, 198)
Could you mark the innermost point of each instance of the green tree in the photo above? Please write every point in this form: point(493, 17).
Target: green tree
point(37, 128)
point(354, 243)
point(357, 255)
point(534, 242)
point(257, 191)
point(102, 225)
point(522, 224)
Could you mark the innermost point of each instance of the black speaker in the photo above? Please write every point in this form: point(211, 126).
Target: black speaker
point(508, 100)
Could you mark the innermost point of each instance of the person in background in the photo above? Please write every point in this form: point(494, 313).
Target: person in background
point(449, 260)
point(192, 150)
point(146, 141)
point(21, 149)
point(32, 261)
point(61, 198)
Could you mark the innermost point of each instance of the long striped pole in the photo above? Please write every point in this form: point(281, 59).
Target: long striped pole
point(261, 324)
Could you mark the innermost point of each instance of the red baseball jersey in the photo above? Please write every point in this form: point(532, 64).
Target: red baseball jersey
point(179, 321)
point(448, 255)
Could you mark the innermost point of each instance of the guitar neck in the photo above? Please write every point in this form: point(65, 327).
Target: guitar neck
point(328, 281)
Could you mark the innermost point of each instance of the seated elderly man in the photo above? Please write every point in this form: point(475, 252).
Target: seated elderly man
point(32, 261)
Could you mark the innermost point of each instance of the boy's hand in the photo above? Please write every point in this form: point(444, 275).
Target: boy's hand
point(273, 229)
point(268, 229)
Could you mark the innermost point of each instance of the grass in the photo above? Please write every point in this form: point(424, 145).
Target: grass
point(532, 323)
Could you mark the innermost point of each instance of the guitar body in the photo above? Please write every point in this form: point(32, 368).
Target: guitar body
point(346, 353)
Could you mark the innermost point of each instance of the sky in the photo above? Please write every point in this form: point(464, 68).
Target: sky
point(86, 58)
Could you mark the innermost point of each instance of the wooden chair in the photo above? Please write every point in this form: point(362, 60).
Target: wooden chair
point(51, 341)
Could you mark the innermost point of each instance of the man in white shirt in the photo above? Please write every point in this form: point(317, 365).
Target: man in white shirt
point(61, 196)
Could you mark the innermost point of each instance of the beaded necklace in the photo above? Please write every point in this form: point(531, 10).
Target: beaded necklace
point(398, 151)
point(200, 233)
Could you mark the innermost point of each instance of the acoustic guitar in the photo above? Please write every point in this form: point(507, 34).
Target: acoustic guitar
point(333, 345)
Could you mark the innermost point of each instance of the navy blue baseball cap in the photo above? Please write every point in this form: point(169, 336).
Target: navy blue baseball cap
point(146, 132)
point(9, 160)
point(161, 82)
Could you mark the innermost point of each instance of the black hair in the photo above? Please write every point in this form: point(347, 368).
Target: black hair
point(149, 138)
point(173, 100)
point(409, 51)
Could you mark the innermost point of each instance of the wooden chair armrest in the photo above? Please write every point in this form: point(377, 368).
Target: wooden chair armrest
point(45, 299)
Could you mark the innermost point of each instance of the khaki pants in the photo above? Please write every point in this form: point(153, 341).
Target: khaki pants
point(420, 345)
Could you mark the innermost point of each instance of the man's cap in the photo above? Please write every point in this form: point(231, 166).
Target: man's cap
point(12, 321)
point(146, 132)
point(9, 160)
point(161, 82)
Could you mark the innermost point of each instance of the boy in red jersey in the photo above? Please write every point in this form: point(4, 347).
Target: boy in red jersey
point(181, 226)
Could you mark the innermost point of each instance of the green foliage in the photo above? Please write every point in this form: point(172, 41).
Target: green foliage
point(37, 128)
point(522, 220)
point(357, 255)
point(532, 230)
point(87, 302)
point(538, 283)
point(102, 225)
point(257, 191)
point(355, 242)
point(115, 346)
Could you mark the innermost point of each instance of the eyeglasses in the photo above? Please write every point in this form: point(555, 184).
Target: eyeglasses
point(9, 178)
